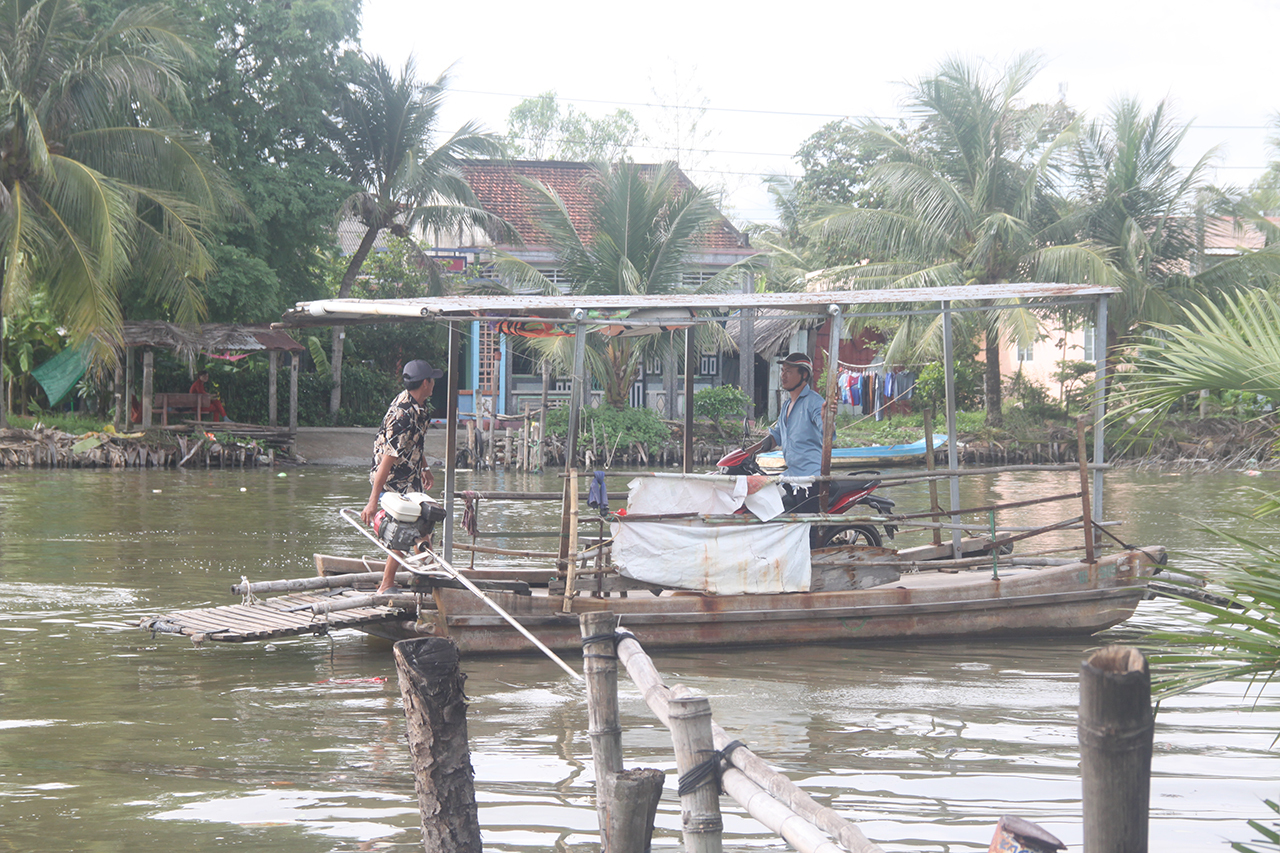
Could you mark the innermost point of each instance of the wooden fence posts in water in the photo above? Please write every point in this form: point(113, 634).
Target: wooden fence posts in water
point(435, 711)
point(766, 794)
point(626, 800)
point(1116, 729)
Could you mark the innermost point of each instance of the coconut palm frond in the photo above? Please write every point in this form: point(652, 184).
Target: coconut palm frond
point(521, 276)
point(1084, 263)
point(100, 187)
point(1238, 637)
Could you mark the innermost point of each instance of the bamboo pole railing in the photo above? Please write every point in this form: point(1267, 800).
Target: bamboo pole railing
point(766, 794)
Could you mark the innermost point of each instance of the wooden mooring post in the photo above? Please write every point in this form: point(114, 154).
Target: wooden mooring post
point(435, 711)
point(626, 800)
point(1116, 728)
point(699, 766)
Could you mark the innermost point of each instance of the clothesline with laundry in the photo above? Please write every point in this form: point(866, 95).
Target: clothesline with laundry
point(870, 391)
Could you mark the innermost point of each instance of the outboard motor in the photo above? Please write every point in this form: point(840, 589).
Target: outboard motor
point(405, 520)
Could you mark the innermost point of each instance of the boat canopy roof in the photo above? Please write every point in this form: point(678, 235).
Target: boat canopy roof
point(561, 308)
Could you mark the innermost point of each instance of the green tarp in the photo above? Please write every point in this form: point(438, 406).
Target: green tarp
point(60, 374)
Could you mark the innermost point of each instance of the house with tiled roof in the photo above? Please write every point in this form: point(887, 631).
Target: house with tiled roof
point(501, 368)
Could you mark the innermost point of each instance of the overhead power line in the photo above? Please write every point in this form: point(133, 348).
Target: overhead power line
point(792, 113)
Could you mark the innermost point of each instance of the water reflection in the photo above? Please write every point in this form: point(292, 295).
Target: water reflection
point(110, 739)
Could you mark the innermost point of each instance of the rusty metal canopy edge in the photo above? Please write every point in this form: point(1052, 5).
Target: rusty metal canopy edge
point(328, 312)
point(211, 337)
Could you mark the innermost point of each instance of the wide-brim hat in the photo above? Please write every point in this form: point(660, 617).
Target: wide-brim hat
point(418, 370)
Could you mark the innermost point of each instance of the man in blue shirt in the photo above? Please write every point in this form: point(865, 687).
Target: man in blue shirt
point(799, 428)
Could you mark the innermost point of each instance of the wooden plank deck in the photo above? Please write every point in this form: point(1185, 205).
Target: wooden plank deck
point(271, 618)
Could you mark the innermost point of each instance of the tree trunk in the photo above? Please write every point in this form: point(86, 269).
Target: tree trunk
point(993, 397)
point(339, 332)
point(623, 364)
point(4, 409)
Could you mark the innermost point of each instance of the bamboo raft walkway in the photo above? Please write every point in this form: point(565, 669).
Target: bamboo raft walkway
point(313, 611)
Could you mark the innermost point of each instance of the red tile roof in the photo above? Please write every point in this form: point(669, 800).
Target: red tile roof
point(1231, 236)
point(496, 183)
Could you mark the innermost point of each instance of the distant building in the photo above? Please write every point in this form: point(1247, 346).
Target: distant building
point(1220, 239)
point(499, 368)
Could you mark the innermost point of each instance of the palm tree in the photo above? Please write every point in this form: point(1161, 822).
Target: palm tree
point(643, 231)
point(1144, 208)
point(99, 186)
point(402, 182)
point(967, 199)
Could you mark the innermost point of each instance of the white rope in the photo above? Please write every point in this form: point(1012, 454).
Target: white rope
point(249, 598)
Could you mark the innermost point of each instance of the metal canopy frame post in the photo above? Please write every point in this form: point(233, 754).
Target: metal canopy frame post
point(953, 456)
point(688, 399)
point(1099, 405)
point(747, 349)
point(571, 444)
point(576, 392)
point(451, 436)
point(828, 410)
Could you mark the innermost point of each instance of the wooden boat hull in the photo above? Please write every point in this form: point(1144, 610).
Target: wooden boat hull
point(1077, 599)
point(856, 457)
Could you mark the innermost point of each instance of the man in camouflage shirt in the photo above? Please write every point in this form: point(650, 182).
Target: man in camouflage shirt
point(398, 461)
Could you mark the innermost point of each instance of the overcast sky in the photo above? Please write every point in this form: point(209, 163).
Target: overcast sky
point(770, 74)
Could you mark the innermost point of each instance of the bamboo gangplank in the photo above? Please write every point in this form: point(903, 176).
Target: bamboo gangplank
point(909, 476)
point(320, 608)
point(743, 762)
point(988, 508)
point(319, 582)
point(530, 496)
point(983, 561)
point(505, 552)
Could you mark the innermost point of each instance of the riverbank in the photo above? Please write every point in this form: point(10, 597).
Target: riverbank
point(1209, 444)
point(188, 445)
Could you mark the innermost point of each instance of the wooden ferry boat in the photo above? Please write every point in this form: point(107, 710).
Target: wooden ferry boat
point(725, 571)
point(1027, 599)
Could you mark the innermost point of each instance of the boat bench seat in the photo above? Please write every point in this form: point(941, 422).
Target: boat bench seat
point(165, 401)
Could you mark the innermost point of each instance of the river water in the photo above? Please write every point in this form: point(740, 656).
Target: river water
point(111, 740)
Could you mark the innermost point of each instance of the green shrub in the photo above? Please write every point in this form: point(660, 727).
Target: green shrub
point(1022, 392)
point(931, 386)
point(612, 427)
point(716, 404)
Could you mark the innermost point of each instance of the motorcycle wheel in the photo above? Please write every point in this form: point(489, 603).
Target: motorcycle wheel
point(854, 534)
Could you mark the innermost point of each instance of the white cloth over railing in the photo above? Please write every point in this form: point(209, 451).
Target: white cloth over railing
point(719, 559)
point(707, 494)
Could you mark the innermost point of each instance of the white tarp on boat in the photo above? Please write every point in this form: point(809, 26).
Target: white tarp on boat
point(721, 559)
point(707, 494)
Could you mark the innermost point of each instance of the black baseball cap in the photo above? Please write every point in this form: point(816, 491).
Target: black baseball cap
point(798, 359)
point(418, 370)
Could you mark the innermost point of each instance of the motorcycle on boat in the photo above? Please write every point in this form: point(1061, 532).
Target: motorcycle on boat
point(844, 496)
